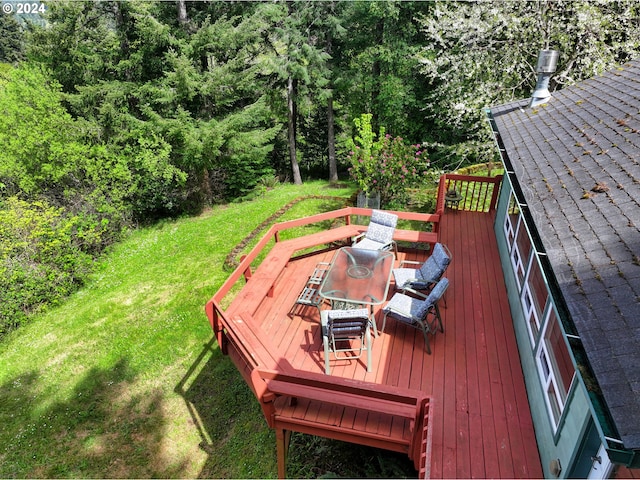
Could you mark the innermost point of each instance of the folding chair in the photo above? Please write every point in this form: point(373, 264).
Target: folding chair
point(310, 295)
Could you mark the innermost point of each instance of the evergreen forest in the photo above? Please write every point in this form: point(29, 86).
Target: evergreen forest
point(115, 114)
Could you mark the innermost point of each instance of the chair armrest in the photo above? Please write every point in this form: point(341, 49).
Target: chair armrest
point(414, 292)
point(409, 262)
point(358, 237)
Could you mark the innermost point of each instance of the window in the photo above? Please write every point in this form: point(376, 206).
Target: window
point(552, 356)
point(555, 368)
point(518, 240)
point(534, 299)
point(511, 220)
point(521, 251)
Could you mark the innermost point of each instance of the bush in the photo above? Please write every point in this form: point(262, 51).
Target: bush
point(387, 165)
point(41, 258)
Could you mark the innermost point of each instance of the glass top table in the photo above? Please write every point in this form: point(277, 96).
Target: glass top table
point(358, 276)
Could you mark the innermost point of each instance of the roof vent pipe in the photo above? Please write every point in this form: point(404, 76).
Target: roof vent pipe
point(547, 62)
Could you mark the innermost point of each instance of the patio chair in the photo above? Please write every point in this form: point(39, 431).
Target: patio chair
point(418, 311)
point(427, 275)
point(345, 332)
point(379, 234)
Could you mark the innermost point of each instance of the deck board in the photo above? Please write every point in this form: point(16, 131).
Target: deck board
point(481, 422)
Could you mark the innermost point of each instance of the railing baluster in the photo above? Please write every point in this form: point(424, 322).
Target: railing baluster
point(480, 193)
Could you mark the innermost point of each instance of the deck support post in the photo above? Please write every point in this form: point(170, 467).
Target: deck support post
point(283, 438)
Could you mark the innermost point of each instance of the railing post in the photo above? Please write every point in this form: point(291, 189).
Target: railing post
point(213, 312)
point(247, 273)
point(212, 315)
point(441, 192)
point(496, 191)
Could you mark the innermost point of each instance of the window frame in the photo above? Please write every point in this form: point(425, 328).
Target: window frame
point(556, 397)
point(512, 234)
point(513, 210)
point(530, 301)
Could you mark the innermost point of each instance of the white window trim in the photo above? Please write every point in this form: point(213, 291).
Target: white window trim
point(517, 262)
point(509, 231)
point(551, 378)
point(529, 313)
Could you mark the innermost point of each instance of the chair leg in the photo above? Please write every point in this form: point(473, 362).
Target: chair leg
point(425, 333)
point(439, 318)
point(324, 322)
point(384, 321)
point(373, 323)
point(325, 340)
point(367, 336)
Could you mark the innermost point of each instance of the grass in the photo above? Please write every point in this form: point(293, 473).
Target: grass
point(95, 387)
point(124, 380)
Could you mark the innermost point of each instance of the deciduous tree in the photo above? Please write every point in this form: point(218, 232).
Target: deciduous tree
point(479, 54)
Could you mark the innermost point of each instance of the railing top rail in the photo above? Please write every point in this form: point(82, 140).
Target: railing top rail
point(350, 211)
point(473, 178)
point(275, 229)
point(347, 386)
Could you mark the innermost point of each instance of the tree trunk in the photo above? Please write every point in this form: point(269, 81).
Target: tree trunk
point(331, 136)
point(291, 109)
point(331, 140)
point(121, 28)
point(183, 19)
point(376, 73)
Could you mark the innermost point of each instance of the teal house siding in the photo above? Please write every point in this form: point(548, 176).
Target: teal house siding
point(563, 444)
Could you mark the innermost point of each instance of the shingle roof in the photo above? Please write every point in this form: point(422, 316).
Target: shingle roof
point(576, 159)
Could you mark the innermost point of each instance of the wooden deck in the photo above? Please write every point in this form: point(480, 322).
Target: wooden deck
point(480, 415)
point(468, 397)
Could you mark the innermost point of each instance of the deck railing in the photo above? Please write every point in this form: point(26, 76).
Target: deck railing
point(271, 377)
point(477, 194)
point(276, 231)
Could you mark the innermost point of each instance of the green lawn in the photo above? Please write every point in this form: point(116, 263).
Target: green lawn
point(89, 389)
point(123, 380)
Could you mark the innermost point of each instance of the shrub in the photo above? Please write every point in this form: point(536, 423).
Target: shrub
point(41, 259)
point(388, 165)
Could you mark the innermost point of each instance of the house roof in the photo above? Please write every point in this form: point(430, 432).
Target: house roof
point(577, 162)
